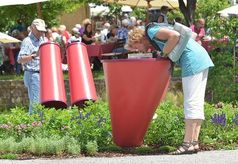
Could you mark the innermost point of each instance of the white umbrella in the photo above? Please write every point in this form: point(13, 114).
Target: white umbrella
point(233, 10)
point(4, 38)
point(19, 2)
point(96, 10)
point(126, 9)
point(144, 3)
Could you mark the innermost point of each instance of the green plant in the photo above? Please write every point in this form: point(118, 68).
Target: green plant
point(72, 146)
point(70, 131)
point(167, 126)
point(74, 149)
point(8, 156)
point(25, 144)
point(144, 150)
point(166, 149)
point(220, 131)
point(91, 148)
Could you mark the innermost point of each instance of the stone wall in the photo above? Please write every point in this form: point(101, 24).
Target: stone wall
point(14, 93)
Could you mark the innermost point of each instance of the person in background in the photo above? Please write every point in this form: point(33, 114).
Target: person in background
point(78, 26)
point(199, 29)
point(64, 32)
point(112, 35)
point(29, 57)
point(163, 15)
point(87, 37)
point(55, 32)
point(20, 26)
point(194, 63)
point(122, 32)
point(132, 23)
point(122, 37)
point(62, 41)
point(85, 21)
point(140, 24)
point(104, 32)
point(75, 37)
point(20, 36)
point(49, 35)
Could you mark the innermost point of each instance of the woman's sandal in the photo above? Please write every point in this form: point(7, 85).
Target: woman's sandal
point(196, 146)
point(185, 148)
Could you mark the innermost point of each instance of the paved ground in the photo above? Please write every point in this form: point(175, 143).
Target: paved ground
point(208, 157)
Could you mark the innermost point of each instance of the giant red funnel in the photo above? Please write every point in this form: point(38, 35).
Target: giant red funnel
point(135, 88)
point(52, 89)
point(82, 87)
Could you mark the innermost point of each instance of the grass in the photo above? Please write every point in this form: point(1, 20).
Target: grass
point(96, 75)
point(11, 77)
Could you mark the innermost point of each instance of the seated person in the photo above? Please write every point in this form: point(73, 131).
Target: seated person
point(163, 15)
point(75, 36)
point(122, 35)
point(88, 37)
point(112, 35)
point(104, 32)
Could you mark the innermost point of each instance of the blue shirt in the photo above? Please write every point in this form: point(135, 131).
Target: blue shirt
point(193, 60)
point(29, 45)
point(122, 33)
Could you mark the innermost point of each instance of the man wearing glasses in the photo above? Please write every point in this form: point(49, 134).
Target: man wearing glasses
point(28, 56)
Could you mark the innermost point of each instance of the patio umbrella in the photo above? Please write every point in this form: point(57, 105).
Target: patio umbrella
point(146, 3)
point(233, 10)
point(4, 38)
point(19, 2)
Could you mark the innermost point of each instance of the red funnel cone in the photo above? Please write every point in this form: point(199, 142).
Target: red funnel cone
point(52, 89)
point(135, 89)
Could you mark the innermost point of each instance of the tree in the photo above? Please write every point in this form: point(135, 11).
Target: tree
point(188, 11)
point(50, 12)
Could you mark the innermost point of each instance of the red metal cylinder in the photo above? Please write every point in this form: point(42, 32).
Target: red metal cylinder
point(135, 88)
point(52, 88)
point(82, 87)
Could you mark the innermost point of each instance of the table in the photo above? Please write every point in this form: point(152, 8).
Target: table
point(97, 50)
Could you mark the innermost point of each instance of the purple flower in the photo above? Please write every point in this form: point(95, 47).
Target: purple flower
point(87, 115)
point(219, 119)
point(101, 120)
point(81, 116)
point(236, 119)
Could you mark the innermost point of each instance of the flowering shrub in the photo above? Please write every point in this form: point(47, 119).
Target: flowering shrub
point(88, 130)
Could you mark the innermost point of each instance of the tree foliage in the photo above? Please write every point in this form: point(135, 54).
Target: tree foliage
point(223, 78)
point(50, 12)
point(208, 8)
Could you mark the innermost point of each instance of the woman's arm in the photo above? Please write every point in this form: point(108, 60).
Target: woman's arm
point(172, 38)
point(87, 38)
